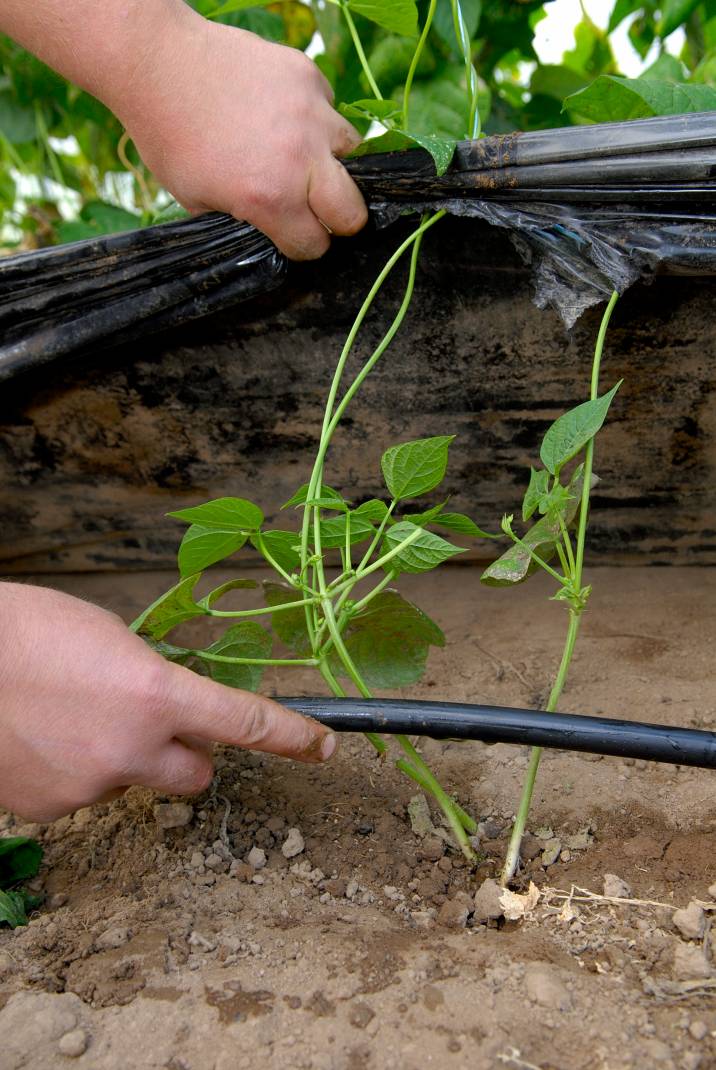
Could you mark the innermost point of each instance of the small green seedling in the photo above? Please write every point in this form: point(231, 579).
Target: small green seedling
point(20, 859)
point(562, 500)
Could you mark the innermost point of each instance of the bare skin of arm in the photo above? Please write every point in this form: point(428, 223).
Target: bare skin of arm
point(225, 120)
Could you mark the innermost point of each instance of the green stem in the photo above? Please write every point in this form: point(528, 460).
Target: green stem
point(473, 115)
point(575, 616)
point(338, 691)
point(518, 830)
point(454, 813)
point(416, 59)
point(378, 535)
point(361, 54)
point(359, 606)
point(261, 545)
point(263, 609)
point(206, 656)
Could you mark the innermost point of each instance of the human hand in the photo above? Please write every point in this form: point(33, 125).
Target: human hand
point(88, 709)
point(228, 121)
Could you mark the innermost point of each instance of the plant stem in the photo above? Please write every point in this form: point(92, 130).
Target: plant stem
point(361, 54)
point(206, 656)
point(575, 615)
point(416, 59)
point(262, 609)
point(463, 38)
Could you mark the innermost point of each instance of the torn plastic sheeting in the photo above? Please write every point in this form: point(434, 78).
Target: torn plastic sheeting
point(591, 208)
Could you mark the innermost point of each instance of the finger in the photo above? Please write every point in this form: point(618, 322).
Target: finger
point(295, 231)
point(179, 770)
point(210, 710)
point(343, 137)
point(336, 200)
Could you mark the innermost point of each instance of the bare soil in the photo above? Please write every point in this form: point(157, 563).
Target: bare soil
point(363, 951)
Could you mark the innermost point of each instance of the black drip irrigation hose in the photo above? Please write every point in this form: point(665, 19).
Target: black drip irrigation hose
point(503, 724)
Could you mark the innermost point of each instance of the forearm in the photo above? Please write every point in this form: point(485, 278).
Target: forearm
point(105, 47)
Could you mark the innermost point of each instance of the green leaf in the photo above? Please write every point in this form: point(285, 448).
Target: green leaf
point(397, 16)
point(17, 121)
point(283, 546)
point(290, 624)
point(333, 531)
point(180, 655)
point(414, 468)
point(12, 909)
point(421, 520)
point(389, 642)
point(426, 552)
point(611, 99)
point(538, 488)
point(621, 10)
point(462, 525)
point(665, 68)
point(673, 14)
point(247, 639)
point(516, 564)
point(213, 597)
point(96, 219)
point(171, 609)
point(230, 6)
point(204, 546)
point(555, 81)
point(371, 109)
point(572, 431)
point(225, 514)
point(373, 510)
point(20, 858)
point(390, 59)
point(301, 495)
point(442, 149)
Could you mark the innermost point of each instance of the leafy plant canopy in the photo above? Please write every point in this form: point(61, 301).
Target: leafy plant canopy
point(68, 171)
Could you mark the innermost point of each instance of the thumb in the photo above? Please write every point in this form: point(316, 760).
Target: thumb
point(211, 711)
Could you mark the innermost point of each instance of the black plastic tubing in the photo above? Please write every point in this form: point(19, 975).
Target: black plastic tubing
point(502, 724)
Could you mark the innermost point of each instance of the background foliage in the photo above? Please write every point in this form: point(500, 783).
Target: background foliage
point(67, 171)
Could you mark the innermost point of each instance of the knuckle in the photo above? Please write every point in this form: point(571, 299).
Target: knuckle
point(200, 777)
point(256, 724)
point(153, 688)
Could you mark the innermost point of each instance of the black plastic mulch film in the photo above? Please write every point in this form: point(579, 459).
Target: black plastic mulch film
point(591, 208)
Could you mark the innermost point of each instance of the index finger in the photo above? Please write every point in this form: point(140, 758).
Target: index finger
point(212, 711)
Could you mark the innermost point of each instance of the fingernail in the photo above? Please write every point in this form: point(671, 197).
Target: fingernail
point(328, 746)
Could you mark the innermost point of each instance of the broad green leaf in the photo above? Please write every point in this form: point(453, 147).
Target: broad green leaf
point(592, 54)
point(421, 520)
point(610, 99)
point(213, 597)
point(97, 219)
point(442, 149)
point(621, 10)
point(673, 14)
point(462, 525)
point(204, 546)
point(538, 487)
point(12, 909)
point(371, 109)
point(226, 514)
point(290, 624)
point(301, 495)
point(397, 16)
point(555, 81)
point(171, 609)
point(389, 642)
point(283, 546)
point(17, 121)
point(230, 6)
point(20, 858)
point(247, 639)
point(373, 510)
point(390, 59)
point(426, 552)
point(665, 68)
point(333, 531)
point(416, 467)
point(572, 431)
point(516, 564)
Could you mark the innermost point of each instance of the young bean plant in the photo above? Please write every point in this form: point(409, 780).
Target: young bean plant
point(353, 626)
point(563, 502)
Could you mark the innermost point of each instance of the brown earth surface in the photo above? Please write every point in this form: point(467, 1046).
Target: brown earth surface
point(364, 950)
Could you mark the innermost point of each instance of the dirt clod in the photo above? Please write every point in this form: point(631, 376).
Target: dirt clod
point(453, 914)
point(487, 901)
point(361, 1015)
point(73, 1044)
point(615, 887)
point(294, 844)
point(691, 921)
point(113, 938)
point(690, 962)
point(173, 815)
point(256, 858)
point(545, 987)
